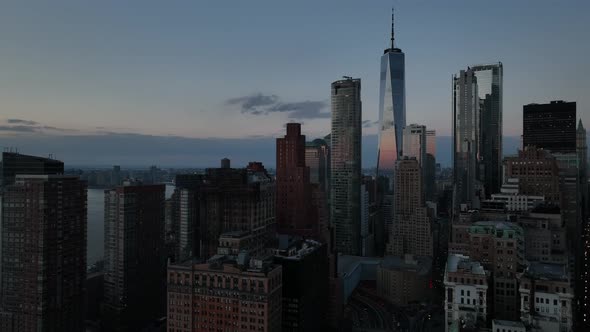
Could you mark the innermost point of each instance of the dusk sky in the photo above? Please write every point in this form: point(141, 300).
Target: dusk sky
point(241, 69)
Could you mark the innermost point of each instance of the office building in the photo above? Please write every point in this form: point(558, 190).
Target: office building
point(345, 165)
point(134, 281)
point(14, 163)
point(305, 280)
point(294, 214)
point(430, 165)
point(490, 94)
point(466, 140)
point(226, 293)
point(392, 108)
point(550, 126)
point(415, 143)
point(44, 223)
point(509, 199)
point(537, 172)
point(317, 158)
point(405, 279)
point(411, 232)
point(466, 283)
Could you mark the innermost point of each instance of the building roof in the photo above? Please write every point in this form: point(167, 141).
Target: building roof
point(422, 265)
point(347, 264)
point(548, 271)
point(508, 323)
point(462, 262)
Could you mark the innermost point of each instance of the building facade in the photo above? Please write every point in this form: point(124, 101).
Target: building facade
point(550, 126)
point(490, 94)
point(226, 293)
point(44, 223)
point(317, 158)
point(134, 281)
point(404, 280)
point(392, 108)
point(14, 163)
point(346, 165)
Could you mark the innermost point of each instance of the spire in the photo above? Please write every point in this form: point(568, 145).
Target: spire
point(392, 34)
point(580, 125)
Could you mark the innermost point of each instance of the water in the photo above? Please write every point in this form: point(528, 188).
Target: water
point(95, 229)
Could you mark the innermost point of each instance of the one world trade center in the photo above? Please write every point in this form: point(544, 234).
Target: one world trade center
point(392, 109)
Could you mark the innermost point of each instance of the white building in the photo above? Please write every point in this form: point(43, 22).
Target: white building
point(466, 287)
point(499, 325)
point(511, 198)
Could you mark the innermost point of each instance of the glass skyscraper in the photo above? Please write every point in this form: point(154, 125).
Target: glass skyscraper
point(346, 165)
point(392, 108)
point(489, 90)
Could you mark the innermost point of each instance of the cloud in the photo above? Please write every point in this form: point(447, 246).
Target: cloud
point(20, 129)
point(260, 104)
point(22, 122)
point(250, 104)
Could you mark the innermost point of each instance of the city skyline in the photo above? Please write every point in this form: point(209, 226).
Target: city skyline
point(90, 87)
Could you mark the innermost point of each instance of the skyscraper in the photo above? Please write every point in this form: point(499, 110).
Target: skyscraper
point(317, 154)
point(134, 281)
point(465, 138)
point(411, 232)
point(489, 90)
point(430, 165)
point(392, 108)
point(550, 126)
point(43, 254)
point(14, 163)
point(415, 142)
point(293, 186)
point(346, 165)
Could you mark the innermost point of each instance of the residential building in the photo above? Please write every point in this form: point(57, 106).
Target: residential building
point(466, 293)
point(134, 249)
point(235, 293)
point(546, 298)
point(14, 163)
point(43, 273)
point(345, 182)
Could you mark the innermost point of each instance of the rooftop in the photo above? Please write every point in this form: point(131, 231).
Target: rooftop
point(548, 271)
point(421, 264)
point(508, 323)
point(462, 262)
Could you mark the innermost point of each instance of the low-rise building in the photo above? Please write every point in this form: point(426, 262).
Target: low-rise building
point(405, 280)
point(499, 325)
point(227, 293)
point(546, 298)
point(466, 290)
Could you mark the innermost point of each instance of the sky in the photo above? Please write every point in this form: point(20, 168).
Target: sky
point(93, 82)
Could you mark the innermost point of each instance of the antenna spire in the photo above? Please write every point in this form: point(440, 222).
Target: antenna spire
point(392, 34)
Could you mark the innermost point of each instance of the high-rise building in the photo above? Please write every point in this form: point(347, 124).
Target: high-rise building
point(345, 165)
point(14, 163)
point(415, 142)
point(293, 211)
point(489, 90)
point(134, 281)
point(430, 165)
point(550, 126)
point(411, 232)
point(305, 284)
point(236, 199)
point(227, 293)
point(43, 253)
point(466, 139)
point(392, 108)
point(537, 172)
point(317, 154)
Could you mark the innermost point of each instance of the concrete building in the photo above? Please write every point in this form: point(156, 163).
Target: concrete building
point(537, 172)
point(430, 166)
point(134, 280)
point(317, 158)
point(14, 163)
point(43, 253)
point(499, 325)
point(466, 293)
point(305, 284)
point(227, 293)
point(544, 235)
point(411, 232)
point(550, 126)
point(405, 280)
point(546, 298)
point(345, 182)
point(511, 200)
